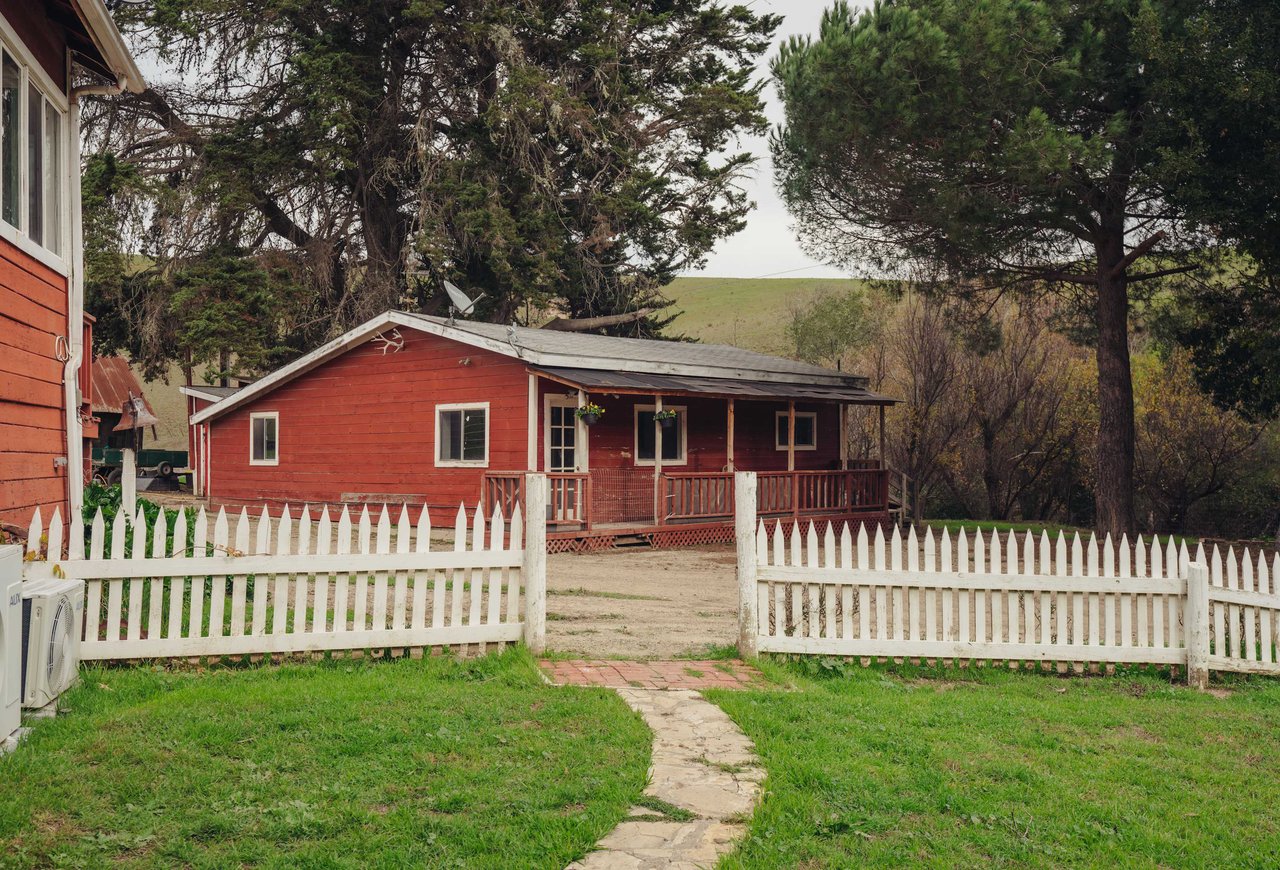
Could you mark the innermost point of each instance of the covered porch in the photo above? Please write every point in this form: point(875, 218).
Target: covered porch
point(633, 476)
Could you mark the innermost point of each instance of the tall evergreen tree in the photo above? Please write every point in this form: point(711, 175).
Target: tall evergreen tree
point(995, 145)
point(567, 155)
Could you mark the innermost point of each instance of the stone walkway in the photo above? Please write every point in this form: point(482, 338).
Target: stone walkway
point(704, 778)
point(731, 674)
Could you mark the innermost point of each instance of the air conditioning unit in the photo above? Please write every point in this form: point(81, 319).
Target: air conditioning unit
point(10, 641)
point(52, 621)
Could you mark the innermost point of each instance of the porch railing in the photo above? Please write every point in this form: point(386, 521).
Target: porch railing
point(709, 495)
point(622, 498)
point(568, 498)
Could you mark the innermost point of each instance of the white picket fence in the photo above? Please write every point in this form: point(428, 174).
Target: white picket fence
point(302, 584)
point(811, 588)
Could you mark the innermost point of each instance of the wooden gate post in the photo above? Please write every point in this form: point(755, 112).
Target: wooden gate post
point(1197, 616)
point(535, 563)
point(744, 524)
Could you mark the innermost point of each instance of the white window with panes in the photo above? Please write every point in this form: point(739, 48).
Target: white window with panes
point(33, 157)
point(462, 435)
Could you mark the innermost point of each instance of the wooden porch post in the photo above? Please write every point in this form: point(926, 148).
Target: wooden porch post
point(844, 436)
point(729, 438)
point(657, 461)
point(581, 453)
point(791, 457)
point(883, 464)
point(533, 422)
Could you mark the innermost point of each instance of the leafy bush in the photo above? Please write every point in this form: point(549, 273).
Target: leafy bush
point(107, 498)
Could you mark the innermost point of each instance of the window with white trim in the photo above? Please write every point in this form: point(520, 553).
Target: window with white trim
point(32, 155)
point(673, 437)
point(462, 434)
point(806, 430)
point(264, 438)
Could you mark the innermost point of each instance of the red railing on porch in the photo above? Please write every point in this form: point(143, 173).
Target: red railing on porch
point(620, 497)
point(695, 496)
point(568, 501)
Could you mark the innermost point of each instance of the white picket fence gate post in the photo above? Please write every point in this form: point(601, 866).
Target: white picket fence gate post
point(288, 589)
point(535, 557)
point(744, 487)
point(1197, 616)
point(807, 589)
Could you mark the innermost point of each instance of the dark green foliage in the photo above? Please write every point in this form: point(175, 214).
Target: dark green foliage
point(1219, 88)
point(557, 157)
point(1231, 327)
point(108, 498)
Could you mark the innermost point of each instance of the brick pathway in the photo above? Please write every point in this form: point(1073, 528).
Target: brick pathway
point(697, 675)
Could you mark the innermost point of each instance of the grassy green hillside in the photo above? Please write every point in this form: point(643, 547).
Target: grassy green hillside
point(747, 312)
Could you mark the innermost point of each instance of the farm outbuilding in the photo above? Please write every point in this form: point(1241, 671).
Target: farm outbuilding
point(409, 408)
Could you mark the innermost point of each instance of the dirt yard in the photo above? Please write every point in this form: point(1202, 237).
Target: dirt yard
point(641, 603)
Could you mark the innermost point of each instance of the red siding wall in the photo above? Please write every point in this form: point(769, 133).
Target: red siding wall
point(612, 439)
point(364, 424)
point(33, 312)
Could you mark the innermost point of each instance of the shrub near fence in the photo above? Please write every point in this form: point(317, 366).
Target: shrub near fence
point(810, 588)
point(293, 587)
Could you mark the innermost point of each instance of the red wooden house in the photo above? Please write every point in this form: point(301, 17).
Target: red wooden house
point(414, 409)
point(44, 373)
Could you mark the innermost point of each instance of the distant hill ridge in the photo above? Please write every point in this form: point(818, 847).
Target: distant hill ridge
point(752, 313)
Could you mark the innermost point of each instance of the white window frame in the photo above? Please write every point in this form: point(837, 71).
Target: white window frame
point(273, 416)
point(682, 419)
point(32, 73)
point(462, 463)
point(781, 415)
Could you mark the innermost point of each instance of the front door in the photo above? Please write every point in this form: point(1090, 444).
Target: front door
point(562, 436)
point(565, 505)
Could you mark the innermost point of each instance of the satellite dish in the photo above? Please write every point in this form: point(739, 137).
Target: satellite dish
point(460, 303)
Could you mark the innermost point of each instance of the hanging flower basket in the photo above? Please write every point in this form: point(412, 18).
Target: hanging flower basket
point(590, 414)
point(666, 419)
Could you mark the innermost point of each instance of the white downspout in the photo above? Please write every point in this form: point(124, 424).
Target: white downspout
point(75, 300)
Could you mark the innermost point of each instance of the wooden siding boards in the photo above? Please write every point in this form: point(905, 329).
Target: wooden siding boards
point(364, 423)
point(33, 313)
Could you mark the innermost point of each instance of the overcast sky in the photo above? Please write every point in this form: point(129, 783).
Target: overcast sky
point(768, 245)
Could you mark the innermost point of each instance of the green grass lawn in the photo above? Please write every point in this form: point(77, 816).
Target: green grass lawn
point(431, 763)
point(982, 768)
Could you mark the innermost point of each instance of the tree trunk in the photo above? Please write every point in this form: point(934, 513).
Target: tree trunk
point(1113, 491)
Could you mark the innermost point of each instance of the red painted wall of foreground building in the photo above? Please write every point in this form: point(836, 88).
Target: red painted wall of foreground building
point(362, 427)
point(33, 433)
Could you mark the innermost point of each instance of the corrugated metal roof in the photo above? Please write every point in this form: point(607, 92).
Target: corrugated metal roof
point(113, 381)
point(721, 357)
point(606, 381)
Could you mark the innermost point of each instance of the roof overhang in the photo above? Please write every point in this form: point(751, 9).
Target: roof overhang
point(627, 383)
point(196, 392)
point(542, 361)
point(105, 37)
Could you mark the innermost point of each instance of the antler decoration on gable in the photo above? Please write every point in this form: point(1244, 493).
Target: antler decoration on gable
point(391, 341)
